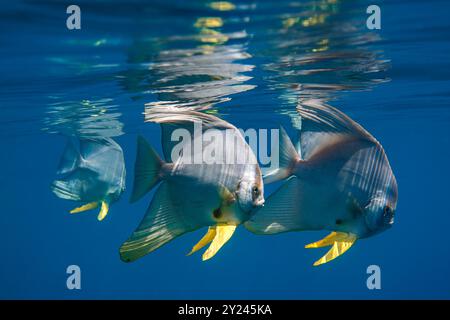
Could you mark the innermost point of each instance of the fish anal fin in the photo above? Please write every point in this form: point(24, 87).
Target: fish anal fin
point(281, 211)
point(207, 238)
point(223, 234)
point(85, 207)
point(161, 224)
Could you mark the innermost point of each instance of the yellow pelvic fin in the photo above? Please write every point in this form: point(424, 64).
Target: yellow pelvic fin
point(207, 238)
point(328, 240)
point(103, 211)
point(341, 243)
point(223, 234)
point(88, 206)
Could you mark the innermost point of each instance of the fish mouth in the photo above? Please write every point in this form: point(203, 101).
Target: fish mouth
point(260, 203)
point(254, 207)
point(389, 220)
point(388, 217)
point(378, 224)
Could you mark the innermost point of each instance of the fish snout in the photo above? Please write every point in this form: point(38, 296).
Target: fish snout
point(380, 220)
point(260, 202)
point(388, 216)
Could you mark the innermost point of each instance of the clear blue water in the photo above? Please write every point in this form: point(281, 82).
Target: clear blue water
point(251, 70)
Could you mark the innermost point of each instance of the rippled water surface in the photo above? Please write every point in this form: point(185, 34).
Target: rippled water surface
point(250, 63)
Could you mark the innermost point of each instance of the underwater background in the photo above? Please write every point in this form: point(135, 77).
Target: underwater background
point(250, 63)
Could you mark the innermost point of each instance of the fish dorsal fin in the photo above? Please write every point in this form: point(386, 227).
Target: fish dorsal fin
point(358, 158)
point(183, 116)
point(85, 151)
point(70, 158)
point(95, 147)
point(104, 157)
point(172, 118)
point(323, 125)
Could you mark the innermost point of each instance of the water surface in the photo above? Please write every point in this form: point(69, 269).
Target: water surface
point(250, 63)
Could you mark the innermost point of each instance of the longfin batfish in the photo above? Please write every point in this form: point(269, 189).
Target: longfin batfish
point(191, 194)
point(338, 178)
point(92, 172)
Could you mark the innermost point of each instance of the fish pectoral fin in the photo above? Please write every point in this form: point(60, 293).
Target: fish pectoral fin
point(328, 240)
point(226, 195)
point(207, 238)
point(103, 211)
point(341, 243)
point(85, 207)
point(223, 234)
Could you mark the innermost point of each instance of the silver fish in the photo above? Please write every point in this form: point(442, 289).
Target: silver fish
point(93, 173)
point(192, 195)
point(339, 179)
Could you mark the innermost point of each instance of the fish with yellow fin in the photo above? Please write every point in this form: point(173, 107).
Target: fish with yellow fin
point(338, 179)
point(193, 191)
point(92, 172)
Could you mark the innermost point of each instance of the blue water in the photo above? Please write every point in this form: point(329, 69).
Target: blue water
point(251, 70)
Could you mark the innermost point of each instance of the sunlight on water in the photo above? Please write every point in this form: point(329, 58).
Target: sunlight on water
point(206, 55)
point(73, 103)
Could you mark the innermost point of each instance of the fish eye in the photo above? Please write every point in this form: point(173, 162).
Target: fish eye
point(387, 210)
point(255, 192)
